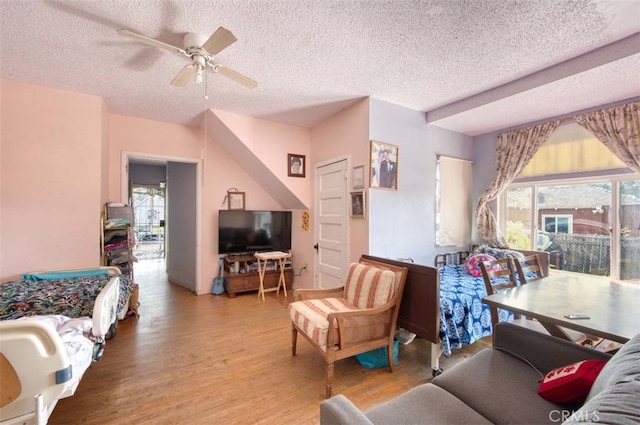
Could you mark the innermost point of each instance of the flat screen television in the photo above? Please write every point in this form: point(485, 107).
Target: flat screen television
point(247, 232)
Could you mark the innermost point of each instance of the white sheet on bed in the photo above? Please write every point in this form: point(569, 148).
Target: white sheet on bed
point(78, 346)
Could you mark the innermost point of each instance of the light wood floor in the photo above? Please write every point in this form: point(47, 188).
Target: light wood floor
point(211, 359)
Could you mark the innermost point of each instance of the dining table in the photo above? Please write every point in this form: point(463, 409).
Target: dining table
point(594, 305)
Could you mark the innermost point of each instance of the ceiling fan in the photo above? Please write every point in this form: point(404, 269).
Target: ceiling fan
point(201, 51)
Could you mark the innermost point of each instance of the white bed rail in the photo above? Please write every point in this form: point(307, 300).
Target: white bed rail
point(33, 368)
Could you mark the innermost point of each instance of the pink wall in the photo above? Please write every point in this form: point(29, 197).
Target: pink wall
point(129, 134)
point(271, 142)
point(104, 156)
point(347, 133)
point(61, 161)
point(51, 179)
point(220, 172)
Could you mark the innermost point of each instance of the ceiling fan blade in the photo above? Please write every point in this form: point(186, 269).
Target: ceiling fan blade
point(185, 75)
point(219, 40)
point(235, 76)
point(151, 41)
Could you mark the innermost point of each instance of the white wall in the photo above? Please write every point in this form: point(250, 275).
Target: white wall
point(484, 170)
point(402, 222)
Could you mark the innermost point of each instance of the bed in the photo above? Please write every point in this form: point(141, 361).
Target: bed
point(443, 304)
point(102, 293)
point(52, 326)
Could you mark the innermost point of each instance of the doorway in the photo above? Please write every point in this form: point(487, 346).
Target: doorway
point(173, 225)
point(148, 202)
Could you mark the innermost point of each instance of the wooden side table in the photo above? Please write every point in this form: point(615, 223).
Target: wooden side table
point(280, 258)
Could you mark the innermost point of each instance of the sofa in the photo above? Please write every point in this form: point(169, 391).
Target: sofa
point(500, 385)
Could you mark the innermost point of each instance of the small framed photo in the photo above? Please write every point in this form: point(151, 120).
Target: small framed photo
point(384, 165)
point(296, 165)
point(357, 177)
point(235, 200)
point(358, 206)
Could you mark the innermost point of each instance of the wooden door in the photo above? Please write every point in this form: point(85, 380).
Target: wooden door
point(331, 225)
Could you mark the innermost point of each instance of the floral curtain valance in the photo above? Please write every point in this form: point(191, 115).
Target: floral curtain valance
point(617, 127)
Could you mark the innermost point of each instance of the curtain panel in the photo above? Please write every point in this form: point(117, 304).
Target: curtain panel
point(618, 128)
point(514, 150)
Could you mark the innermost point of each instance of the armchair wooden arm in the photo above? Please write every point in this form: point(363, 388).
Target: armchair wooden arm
point(308, 294)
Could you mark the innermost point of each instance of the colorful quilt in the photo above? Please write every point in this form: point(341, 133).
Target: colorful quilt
point(464, 319)
point(72, 297)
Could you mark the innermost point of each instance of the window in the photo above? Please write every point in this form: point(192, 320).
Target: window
point(557, 223)
point(453, 201)
point(587, 215)
point(571, 149)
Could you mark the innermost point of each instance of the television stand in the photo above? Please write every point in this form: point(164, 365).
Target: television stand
point(241, 272)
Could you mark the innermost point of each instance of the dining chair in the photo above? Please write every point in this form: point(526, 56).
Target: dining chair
point(529, 269)
point(499, 275)
point(355, 318)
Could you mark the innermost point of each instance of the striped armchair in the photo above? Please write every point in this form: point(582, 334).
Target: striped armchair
point(355, 318)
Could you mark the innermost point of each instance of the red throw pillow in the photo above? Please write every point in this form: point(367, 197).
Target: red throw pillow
point(571, 383)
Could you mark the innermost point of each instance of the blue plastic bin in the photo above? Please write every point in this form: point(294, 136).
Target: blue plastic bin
point(378, 357)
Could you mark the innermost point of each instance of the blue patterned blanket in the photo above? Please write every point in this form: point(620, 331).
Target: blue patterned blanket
point(464, 319)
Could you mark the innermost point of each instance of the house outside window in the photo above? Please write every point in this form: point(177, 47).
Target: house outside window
point(557, 223)
point(587, 216)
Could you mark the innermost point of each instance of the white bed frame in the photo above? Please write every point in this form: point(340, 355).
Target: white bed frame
point(34, 367)
point(35, 370)
point(106, 304)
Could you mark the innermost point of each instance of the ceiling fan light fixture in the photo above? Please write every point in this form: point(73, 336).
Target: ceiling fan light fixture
point(201, 51)
point(199, 62)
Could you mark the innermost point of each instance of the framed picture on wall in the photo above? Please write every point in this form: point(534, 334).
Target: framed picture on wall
point(357, 208)
point(296, 165)
point(384, 165)
point(357, 177)
point(236, 200)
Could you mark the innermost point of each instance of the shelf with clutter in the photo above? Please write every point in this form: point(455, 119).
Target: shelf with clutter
point(241, 272)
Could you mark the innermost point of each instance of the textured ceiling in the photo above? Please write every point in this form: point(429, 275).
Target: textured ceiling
point(474, 66)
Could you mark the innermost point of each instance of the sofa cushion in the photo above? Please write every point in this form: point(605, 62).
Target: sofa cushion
point(570, 383)
point(500, 387)
point(367, 286)
point(615, 405)
point(311, 317)
point(425, 404)
point(623, 366)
